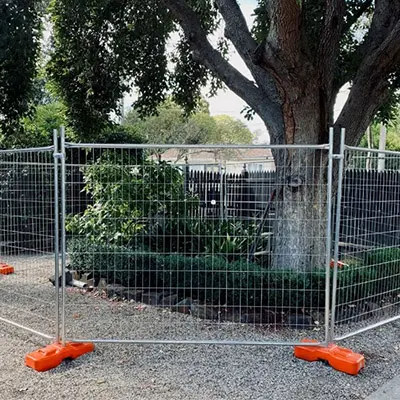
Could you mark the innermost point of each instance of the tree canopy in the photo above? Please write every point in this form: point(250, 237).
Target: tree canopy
point(298, 53)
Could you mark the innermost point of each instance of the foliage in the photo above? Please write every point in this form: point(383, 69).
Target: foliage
point(112, 43)
point(172, 125)
point(19, 47)
point(238, 282)
point(130, 196)
point(233, 283)
point(195, 236)
point(38, 129)
point(99, 47)
point(139, 202)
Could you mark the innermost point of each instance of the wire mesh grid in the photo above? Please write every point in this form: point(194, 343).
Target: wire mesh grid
point(27, 238)
point(369, 277)
point(164, 241)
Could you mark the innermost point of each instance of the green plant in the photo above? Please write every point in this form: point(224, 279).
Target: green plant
point(216, 280)
point(131, 197)
point(377, 277)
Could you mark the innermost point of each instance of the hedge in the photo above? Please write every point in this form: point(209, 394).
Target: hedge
point(215, 280)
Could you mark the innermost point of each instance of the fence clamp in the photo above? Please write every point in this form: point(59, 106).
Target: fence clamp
point(58, 155)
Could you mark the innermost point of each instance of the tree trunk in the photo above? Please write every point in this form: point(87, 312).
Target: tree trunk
point(299, 236)
point(301, 212)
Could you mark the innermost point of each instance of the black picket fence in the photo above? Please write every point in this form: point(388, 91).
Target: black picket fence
point(370, 211)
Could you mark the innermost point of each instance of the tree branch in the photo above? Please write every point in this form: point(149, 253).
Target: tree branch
point(204, 53)
point(236, 30)
point(386, 15)
point(329, 44)
point(370, 87)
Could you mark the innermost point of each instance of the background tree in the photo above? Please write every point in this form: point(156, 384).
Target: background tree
point(20, 33)
point(172, 125)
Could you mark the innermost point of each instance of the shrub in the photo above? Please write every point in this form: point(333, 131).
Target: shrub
point(378, 276)
point(216, 280)
point(139, 202)
point(131, 199)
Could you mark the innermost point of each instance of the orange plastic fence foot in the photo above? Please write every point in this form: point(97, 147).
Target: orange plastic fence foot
point(54, 354)
point(339, 358)
point(6, 269)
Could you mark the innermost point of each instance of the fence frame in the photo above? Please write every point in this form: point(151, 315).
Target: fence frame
point(37, 150)
point(356, 332)
point(331, 157)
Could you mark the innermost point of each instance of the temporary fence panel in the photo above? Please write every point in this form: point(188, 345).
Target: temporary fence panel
point(141, 255)
point(27, 237)
point(368, 286)
point(301, 248)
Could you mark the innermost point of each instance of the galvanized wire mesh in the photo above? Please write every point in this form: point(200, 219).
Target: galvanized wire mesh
point(369, 281)
point(27, 238)
point(201, 233)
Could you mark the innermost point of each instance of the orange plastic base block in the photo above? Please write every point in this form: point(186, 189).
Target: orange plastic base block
point(339, 358)
point(54, 354)
point(6, 269)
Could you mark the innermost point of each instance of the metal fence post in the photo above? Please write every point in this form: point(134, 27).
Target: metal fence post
point(328, 235)
point(63, 233)
point(340, 157)
point(56, 235)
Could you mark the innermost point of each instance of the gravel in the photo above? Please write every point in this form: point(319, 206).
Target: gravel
point(167, 371)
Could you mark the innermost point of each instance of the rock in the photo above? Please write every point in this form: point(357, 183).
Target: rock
point(203, 311)
point(374, 310)
point(318, 317)
point(132, 294)
point(169, 301)
point(183, 306)
point(153, 298)
point(230, 315)
point(263, 317)
point(76, 275)
point(299, 321)
point(115, 290)
point(102, 285)
point(87, 277)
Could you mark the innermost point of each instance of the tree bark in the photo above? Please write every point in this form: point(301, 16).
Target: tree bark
point(299, 226)
point(299, 234)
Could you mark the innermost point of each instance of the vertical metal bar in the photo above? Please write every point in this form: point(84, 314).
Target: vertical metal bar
point(328, 235)
point(337, 232)
point(56, 235)
point(63, 234)
point(221, 192)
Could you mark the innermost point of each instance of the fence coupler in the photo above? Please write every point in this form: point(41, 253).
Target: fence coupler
point(339, 358)
point(53, 355)
point(6, 269)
